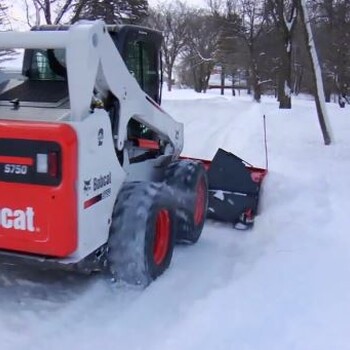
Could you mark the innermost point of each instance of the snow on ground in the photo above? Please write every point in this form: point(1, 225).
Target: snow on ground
point(14, 63)
point(283, 285)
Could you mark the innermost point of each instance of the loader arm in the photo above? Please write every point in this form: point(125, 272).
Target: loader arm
point(93, 61)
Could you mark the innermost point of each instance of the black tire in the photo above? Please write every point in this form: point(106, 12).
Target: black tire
point(142, 233)
point(189, 179)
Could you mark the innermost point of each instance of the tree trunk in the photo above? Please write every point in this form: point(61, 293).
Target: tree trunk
point(316, 72)
point(170, 80)
point(198, 78)
point(256, 84)
point(169, 73)
point(279, 83)
point(254, 76)
point(297, 80)
point(222, 81)
point(206, 82)
point(285, 27)
point(328, 95)
point(285, 73)
point(233, 83)
point(47, 12)
point(247, 77)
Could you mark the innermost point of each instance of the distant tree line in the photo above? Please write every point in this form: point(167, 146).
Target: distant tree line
point(263, 40)
point(260, 41)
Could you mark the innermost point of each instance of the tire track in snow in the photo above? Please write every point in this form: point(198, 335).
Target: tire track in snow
point(122, 316)
point(97, 315)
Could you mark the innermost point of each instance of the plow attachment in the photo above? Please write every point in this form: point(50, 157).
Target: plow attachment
point(234, 188)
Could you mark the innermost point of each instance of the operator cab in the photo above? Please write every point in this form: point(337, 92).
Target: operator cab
point(46, 83)
point(140, 50)
point(46, 75)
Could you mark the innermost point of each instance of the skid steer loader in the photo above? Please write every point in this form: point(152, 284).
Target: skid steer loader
point(90, 171)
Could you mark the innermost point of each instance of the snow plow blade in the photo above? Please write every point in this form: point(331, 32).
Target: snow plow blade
point(234, 187)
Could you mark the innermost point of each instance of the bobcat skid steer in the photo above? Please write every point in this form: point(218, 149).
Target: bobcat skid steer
point(90, 173)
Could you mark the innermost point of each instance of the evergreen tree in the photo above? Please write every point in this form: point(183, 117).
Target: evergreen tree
point(113, 11)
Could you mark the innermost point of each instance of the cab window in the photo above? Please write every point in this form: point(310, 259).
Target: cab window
point(42, 68)
point(141, 60)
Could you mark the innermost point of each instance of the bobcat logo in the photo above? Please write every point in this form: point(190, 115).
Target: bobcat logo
point(87, 186)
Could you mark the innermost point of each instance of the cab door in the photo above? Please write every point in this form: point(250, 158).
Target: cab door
point(142, 60)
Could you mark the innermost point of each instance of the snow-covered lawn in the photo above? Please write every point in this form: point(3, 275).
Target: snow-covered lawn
point(283, 285)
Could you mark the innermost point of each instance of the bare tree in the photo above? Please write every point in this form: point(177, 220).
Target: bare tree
point(51, 11)
point(318, 83)
point(253, 21)
point(284, 16)
point(331, 20)
point(230, 55)
point(200, 52)
point(173, 21)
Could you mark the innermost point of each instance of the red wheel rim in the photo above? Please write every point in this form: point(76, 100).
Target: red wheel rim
point(200, 203)
point(162, 236)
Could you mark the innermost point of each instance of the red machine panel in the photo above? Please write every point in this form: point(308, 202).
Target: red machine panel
point(38, 199)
